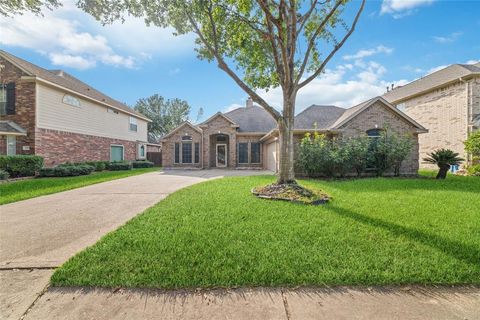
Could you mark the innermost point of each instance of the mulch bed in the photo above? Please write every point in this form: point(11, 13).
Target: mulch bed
point(291, 192)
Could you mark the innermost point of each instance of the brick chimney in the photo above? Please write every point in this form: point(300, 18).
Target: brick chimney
point(249, 103)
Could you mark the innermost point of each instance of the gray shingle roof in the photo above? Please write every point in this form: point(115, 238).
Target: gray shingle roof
point(67, 81)
point(448, 74)
point(321, 117)
point(11, 127)
point(252, 119)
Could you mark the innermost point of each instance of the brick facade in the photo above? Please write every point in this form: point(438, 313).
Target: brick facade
point(24, 107)
point(59, 147)
point(168, 147)
point(378, 116)
point(219, 125)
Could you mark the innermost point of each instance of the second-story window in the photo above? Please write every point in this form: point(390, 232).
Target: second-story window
point(71, 100)
point(7, 98)
point(3, 99)
point(133, 124)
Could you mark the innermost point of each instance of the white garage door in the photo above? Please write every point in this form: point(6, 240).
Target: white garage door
point(272, 156)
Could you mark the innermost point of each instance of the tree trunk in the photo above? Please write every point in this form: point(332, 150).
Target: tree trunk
point(286, 172)
point(442, 173)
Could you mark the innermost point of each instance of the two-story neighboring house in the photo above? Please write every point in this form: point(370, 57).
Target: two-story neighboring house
point(54, 115)
point(446, 102)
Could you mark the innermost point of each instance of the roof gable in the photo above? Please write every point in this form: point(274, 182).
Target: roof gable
point(354, 111)
point(215, 116)
point(186, 123)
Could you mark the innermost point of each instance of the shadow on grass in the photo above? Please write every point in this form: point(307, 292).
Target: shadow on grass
point(464, 252)
point(461, 184)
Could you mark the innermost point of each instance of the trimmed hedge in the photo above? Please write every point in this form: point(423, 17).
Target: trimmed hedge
point(67, 170)
point(98, 165)
point(142, 164)
point(119, 165)
point(21, 165)
point(4, 175)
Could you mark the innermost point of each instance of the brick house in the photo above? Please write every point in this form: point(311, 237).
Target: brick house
point(54, 115)
point(247, 137)
point(446, 102)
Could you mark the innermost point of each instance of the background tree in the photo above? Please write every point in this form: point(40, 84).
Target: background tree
point(166, 114)
point(260, 44)
point(12, 7)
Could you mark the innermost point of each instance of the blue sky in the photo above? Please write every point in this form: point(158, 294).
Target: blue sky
point(396, 41)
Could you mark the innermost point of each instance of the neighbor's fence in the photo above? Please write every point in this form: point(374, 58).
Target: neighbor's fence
point(155, 157)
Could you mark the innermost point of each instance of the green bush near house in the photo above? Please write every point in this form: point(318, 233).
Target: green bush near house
point(67, 170)
point(474, 170)
point(4, 175)
point(142, 164)
point(472, 144)
point(119, 165)
point(21, 165)
point(98, 165)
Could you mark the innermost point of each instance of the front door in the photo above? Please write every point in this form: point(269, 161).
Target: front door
point(221, 155)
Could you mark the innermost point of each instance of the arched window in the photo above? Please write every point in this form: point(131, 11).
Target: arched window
point(186, 138)
point(68, 99)
point(374, 133)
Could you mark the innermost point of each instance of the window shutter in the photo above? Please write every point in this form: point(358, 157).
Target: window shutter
point(11, 98)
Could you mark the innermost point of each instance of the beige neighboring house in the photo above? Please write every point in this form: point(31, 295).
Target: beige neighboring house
point(52, 114)
point(446, 102)
point(247, 137)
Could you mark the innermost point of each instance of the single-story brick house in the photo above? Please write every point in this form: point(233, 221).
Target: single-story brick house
point(247, 137)
point(52, 114)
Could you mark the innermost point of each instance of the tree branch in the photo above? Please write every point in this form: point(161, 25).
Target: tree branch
point(335, 49)
point(223, 65)
point(311, 41)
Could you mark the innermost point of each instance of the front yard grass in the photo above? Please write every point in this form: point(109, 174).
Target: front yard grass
point(375, 231)
point(31, 188)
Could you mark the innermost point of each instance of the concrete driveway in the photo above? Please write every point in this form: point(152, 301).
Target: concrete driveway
point(39, 234)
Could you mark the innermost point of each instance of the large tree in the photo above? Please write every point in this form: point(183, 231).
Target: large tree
point(166, 114)
point(260, 44)
point(12, 7)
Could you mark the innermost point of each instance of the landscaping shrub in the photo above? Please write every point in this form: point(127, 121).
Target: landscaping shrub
point(444, 159)
point(142, 164)
point(119, 165)
point(319, 156)
point(98, 165)
point(472, 145)
point(474, 170)
point(67, 170)
point(4, 175)
point(21, 165)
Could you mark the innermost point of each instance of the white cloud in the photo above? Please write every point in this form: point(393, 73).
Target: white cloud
point(174, 71)
point(401, 8)
point(72, 38)
point(472, 61)
point(447, 39)
point(368, 52)
point(231, 107)
point(336, 87)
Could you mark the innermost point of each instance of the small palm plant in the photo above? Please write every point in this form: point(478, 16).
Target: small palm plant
point(443, 158)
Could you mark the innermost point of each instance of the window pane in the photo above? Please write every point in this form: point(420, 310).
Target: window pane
point(187, 138)
point(186, 153)
point(197, 152)
point(11, 145)
point(255, 152)
point(374, 132)
point(243, 153)
point(116, 153)
point(3, 100)
point(177, 152)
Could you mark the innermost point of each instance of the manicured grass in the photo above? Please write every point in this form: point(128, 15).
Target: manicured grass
point(26, 189)
point(216, 234)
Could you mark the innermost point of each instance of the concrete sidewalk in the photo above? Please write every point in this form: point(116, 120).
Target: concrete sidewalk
point(339, 303)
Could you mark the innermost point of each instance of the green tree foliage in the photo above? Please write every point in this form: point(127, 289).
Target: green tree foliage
point(389, 152)
point(12, 7)
point(166, 114)
point(260, 44)
point(472, 144)
point(443, 158)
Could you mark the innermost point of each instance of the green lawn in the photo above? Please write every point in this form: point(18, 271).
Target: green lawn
point(26, 189)
point(216, 234)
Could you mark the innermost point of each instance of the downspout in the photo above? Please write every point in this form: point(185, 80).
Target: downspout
point(469, 100)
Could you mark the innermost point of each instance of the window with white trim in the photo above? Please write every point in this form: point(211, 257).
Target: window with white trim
point(71, 100)
point(3, 99)
point(133, 124)
point(11, 145)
